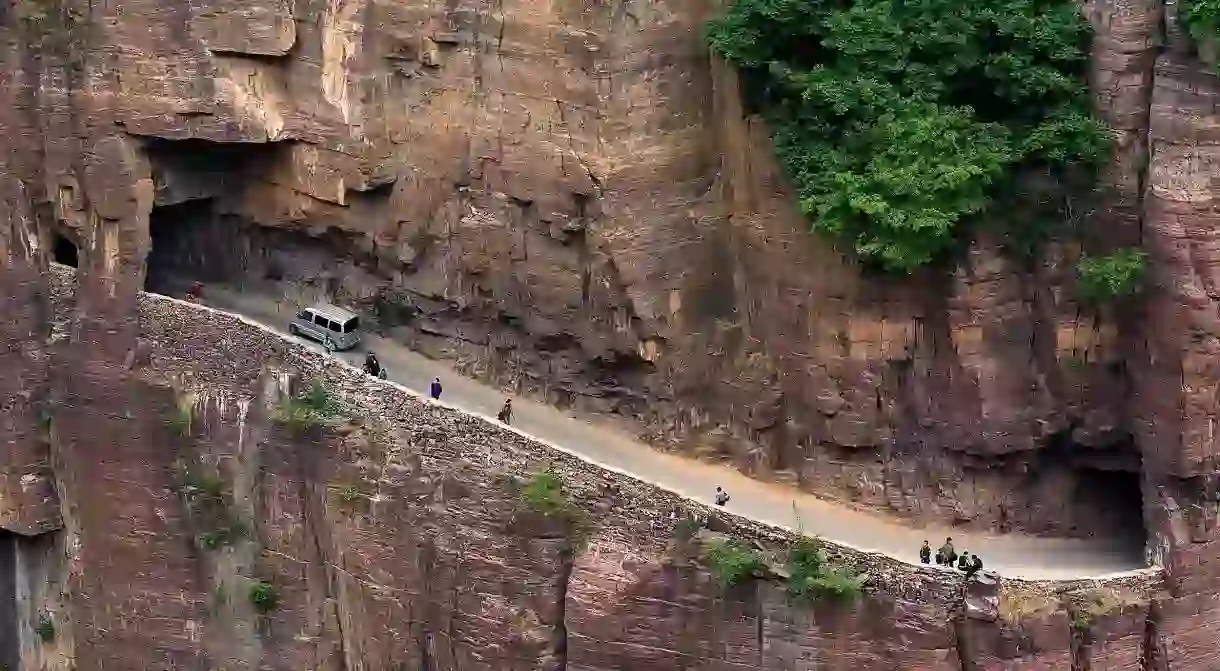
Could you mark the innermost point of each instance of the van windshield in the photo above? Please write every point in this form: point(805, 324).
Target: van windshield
point(351, 325)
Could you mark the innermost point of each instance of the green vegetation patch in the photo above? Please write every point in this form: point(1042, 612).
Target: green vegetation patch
point(307, 411)
point(264, 597)
point(732, 561)
point(812, 577)
point(1202, 20)
point(45, 629)
point(543, 493)
point(1111, 277)
point(900, 122)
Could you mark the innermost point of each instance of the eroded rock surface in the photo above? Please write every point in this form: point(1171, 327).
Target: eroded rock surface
point(567, 199)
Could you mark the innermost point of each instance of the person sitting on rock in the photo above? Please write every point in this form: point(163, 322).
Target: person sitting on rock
point(947, 555)
point(964, 562)
point(925, 553)
point(722, 497)
point(974, 567)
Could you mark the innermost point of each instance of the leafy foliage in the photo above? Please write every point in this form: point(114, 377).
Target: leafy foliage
point(1202, 18)
point(308, 410)
point(264, 597)
point(813, 578)
point(1105, 278)
point(45, 629)
point(543, 494)
point(732, 562)
point(900, 122)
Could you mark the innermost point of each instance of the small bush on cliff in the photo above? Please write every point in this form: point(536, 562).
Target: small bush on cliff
point(543, 493)
point(900, 122)
point(45, 629)
point(1110, 277)
point(731, 561)
point(264, 597)
point(308, 410)
point(180, 420)
point(813, 578)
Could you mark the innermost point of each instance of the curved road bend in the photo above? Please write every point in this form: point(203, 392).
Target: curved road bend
point(1013, 555)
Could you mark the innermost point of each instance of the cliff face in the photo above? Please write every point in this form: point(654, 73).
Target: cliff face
point(569, 199)
point(396, 539)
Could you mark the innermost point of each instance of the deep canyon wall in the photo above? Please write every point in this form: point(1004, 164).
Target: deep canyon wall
point(395, 538)
point(568, 198)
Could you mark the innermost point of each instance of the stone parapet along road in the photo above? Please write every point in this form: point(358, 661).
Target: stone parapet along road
point(1012, 555)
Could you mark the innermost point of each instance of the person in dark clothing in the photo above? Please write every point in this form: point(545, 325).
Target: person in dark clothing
point(925, 553)
point(434, 389)
point(371, 365)
point(964, 562)
point(947, 555)
point(506, 413)
point(975, 566)
point(722, 497)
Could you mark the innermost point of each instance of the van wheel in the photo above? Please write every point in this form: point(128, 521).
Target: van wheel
point(292, 330)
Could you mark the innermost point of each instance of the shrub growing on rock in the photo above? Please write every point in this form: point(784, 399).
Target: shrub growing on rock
point(543, 494)
point(264, 597)
point(308, 410)
point(45, 629)
point(1110, 277)
point(813, 578)
point(731, 561)
point(898, 123)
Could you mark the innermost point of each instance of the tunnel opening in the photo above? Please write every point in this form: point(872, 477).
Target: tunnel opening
point(187, 245)
point(64, 251)
point(1102, 489)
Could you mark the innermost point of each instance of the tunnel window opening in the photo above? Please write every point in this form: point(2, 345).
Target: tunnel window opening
point(64, 251)
point(188, 245)
point(1106, 501)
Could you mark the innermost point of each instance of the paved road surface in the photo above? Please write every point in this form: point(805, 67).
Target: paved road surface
point(1014, 555)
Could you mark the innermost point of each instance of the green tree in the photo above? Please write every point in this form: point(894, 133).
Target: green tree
point(898, 123)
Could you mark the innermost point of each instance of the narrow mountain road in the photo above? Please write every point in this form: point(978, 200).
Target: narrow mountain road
point(1013, 555)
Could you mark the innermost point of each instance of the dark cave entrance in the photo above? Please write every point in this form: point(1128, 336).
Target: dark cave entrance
point(193, 237)
point(64, 251)
point(184, 247)
point(1107, 499)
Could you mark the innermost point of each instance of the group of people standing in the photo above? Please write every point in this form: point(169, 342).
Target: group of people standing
point(947, 556)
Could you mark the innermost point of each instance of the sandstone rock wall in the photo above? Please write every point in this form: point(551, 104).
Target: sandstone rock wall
point(396, 540)
point(570, 200)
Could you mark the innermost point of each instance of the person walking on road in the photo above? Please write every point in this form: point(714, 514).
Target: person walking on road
point(371, 365)
point(506, 413)
point(925, 553)
point(722, 497)
point(434, 389)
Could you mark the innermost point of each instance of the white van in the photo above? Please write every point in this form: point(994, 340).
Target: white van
point(334, 327)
